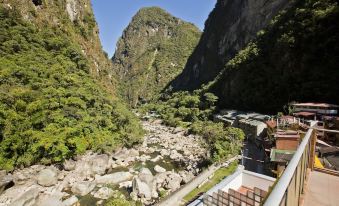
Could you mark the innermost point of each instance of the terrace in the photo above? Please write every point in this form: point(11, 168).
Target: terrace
point(301, 183)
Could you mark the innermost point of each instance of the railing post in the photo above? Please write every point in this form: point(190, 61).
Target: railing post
point(312, 152)
point(287, 186)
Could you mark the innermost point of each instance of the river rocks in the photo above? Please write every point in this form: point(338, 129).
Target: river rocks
point(28, 198)
point(2, 173)
point(20, 177)
point(5, 181)
point(126, 184)
point(159, 169)
point(49, 199)
point(144, 158)
point(157, 158)
point(163, 146)
point(186, 176)
point(160, 179)
point(173, 181)
point(146, 176)
point(92, 164)
point(104, 193)
point(69, 165)
point(165, 152)
point(175, 155)
point(48, 177)
point(100, 164)
point(125, 157)
point(142, 189)
point(70, 201)
point(125, 154)
point(83, 188)
point(114, 178)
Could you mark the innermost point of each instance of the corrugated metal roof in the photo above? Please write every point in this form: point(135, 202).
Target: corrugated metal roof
point(312, 104)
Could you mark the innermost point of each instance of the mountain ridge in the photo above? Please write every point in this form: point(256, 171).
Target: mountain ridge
point(229, 28)
point(151, 52)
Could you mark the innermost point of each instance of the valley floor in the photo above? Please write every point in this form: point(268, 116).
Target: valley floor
point(167, 159)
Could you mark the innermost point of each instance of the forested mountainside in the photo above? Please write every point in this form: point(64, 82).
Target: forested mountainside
point(152, 51)
point(294, 59)
point(228, 29)
point(56, 89)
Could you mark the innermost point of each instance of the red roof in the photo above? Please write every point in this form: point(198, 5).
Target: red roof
point(286, 132)
point(287, 117)
point(311, 104)
point(305, 114)
point(289, 136)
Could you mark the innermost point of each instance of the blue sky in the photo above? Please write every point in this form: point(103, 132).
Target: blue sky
point(113, 16)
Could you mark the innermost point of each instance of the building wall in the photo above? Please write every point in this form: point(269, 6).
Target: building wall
point(287, 144)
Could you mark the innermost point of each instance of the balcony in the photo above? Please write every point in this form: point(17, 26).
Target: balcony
point(321, 189)
point(302, 183)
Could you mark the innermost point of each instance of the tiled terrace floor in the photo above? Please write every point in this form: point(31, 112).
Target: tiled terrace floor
point(322, 189)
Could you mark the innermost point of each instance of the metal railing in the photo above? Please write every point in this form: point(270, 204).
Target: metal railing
point(290, 186)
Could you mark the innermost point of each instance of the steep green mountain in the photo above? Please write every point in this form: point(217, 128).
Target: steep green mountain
point(294, 59)
point(56, 86)
point(229, 28)
point(151, 52)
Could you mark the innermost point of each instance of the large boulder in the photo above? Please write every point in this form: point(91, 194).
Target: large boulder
point(69, 165)
point(186, 176)
point(142, 189)
point(104, 193)
point(173, 181)
point(175, 155)
point(48, 177)
point(114, 178)
point(28, 198)
point(2, 173)
point(5, 182)
point(83, 188)
point(159, 169)
point(145, 175)
point(160, 179)
point(45, 199)
point(164, 152)
point(126, 154)
point(93, 164)
point(100, 164)
point(20, 178)
point(70, 201)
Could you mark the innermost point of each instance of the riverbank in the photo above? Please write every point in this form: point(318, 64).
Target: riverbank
point(167, 159)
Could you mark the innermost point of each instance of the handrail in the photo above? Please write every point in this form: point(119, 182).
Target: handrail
point(278, 192)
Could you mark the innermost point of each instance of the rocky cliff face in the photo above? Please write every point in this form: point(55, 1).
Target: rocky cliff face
point(76, 19)
point(229, 28)
point(151, 52)
point(294, 59)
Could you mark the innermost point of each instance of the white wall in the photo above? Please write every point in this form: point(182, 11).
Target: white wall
point(251, 180)
point(235, 183)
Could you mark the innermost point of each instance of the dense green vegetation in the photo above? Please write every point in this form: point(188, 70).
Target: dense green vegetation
point(194, 111)
point(51, 108)
point(119, 199)
point(294, 59)
point(152, 51)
